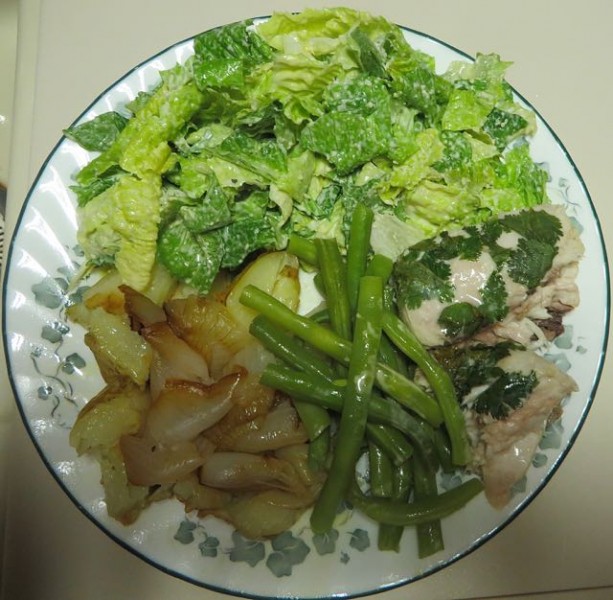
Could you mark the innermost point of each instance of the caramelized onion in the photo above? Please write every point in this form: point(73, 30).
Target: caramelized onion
point(140, 308)
point(243, 471)
point(149, 463)
point(253, 357)
point(207, 326)
point(252, 401)
point(184, 409)
point(199, 497)
point(279, 428)
point(172, 358)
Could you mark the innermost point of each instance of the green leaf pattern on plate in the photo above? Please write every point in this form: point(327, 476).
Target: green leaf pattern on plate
point(280, 554)
point(51, 363)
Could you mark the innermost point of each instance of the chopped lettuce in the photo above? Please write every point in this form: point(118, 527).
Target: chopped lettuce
point(225, 55)
point(285, 125)
point(98, 134)
point(120, 226)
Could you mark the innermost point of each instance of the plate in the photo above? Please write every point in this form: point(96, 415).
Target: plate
point(53, 374)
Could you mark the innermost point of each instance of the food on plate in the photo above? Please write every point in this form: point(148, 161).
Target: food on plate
point(511, 278)
point(284, 125)
point(328, 272)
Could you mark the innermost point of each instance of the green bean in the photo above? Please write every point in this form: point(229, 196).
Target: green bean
point(381, 266)
point(324, 339)
point(440, 382)
point(358, 249)
point(383, 410)
point(319, 451)
point(361, 377)
point(314, 418)
point(442, 447)
point(430, 534)
point(289, 349)
point(389, 536)
point(283, 345)
point(414, 513)
point(380, 471)
point(391, 441)
point(334, 276)
point(382, 481)
point(409, 394)
point(303, 248)
point(320, 315)
point(403, 481)
point(389, 354)
point(320, 337)
point(318, 282)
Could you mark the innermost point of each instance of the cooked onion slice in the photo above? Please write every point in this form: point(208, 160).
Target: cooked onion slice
point(252, 401)
point(279, 428)
point(200, 497)
point(172, 358)
point(243, 471)
point(149, 463)
point(208, 327)
point(140, 308)
point(184, 409)
point(253, 357)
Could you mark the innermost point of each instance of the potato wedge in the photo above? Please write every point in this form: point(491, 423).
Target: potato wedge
point(275, 273)
point(108, 416)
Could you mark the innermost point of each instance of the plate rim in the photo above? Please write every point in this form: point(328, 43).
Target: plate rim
point(519, 509)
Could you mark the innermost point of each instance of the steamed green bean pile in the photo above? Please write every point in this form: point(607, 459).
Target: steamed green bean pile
point(350, 370)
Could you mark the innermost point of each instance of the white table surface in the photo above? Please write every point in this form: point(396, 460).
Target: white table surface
point(70, 50)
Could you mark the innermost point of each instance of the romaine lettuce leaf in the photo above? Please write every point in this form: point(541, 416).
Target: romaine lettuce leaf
point(98, 134)
point(285, 125)
point(357, 126)
point(191, 257)
point(142, 148)
point(518, 182)
point(120, 225)
point(466, 110)
point(210, 212)
point(225, 55)
point(204, 238)
point(318, 32)
point(252, 228)
point(264, 157)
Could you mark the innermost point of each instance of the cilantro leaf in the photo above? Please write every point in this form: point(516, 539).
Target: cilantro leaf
point(415, 282)
point(505, 394)
point(529, 263)
point(460, 319)
point(534, 224)
point(494, 298)
point(472, 366)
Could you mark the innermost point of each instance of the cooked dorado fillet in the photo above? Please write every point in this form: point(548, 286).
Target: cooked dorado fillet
point(504, 448)
point(512, 278)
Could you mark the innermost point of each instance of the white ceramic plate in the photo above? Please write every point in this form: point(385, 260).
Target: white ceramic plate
point(53, 374)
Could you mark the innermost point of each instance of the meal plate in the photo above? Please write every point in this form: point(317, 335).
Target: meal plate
point(53, 374)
